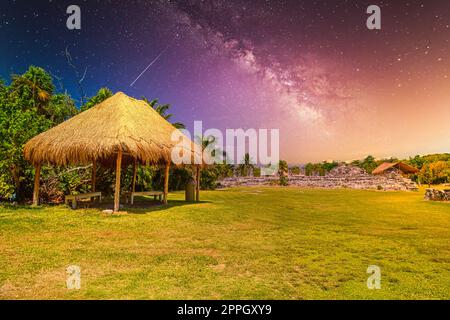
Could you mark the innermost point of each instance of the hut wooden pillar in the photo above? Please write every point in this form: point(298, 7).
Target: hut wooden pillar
point(166, 182)
point(117, 191)
point(37, 176)
point(197, 184)
point(133, 181)
point(94, 175)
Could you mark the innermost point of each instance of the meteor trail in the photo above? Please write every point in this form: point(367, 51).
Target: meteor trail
point(151, 63)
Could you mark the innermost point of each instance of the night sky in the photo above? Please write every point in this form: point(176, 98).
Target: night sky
point(335, 89)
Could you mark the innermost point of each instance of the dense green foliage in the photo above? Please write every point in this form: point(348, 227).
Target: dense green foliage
point(283, 171)
point(102, 95)
point(257, 172)
point(319, 168)
point(295, 170)
point(28, 106)
point(162, 109)
point(434, 169)
point(246, 166)
point(368, 164)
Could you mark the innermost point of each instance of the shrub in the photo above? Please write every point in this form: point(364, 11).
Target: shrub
point(283, 173)
point(295, 170)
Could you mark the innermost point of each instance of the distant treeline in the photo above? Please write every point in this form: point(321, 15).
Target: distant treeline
point(433, 169)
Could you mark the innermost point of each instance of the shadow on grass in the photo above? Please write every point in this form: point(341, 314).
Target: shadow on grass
point(141, 206)
point(154, 207)
point(21, 206)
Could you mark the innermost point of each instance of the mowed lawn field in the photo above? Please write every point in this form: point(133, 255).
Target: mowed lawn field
point(244, 243)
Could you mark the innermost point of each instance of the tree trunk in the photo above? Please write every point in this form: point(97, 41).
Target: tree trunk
point(117, 190)
point(197, 185)
point(37, 176)
point(166, 182)
point(16, 177)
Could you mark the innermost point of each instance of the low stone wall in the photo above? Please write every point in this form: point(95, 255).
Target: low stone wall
point(437, 195)
point(340, 177)
point(248, 181)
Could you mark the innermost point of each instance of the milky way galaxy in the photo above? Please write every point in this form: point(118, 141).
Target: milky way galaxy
point(334, 88)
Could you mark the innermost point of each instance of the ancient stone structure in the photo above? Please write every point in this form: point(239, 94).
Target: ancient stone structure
point(343, 176)
point(437, 195)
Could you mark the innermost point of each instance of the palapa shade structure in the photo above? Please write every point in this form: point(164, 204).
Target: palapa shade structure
point(120, 130)
point(405, 168)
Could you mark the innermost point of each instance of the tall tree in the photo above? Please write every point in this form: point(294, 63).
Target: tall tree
point(100, 96)
point(246, 167)
point(205, 141)
point(27, 108)
point(60, 108)
point(162, 109)
point(283, 170)
point(369, 164)
point(34, 88)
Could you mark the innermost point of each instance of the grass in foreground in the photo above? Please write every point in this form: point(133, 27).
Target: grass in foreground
point(252, 243)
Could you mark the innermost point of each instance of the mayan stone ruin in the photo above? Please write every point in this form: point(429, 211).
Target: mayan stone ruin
point(343, 176)
point(437, 195)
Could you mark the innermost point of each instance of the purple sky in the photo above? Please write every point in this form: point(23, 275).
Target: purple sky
point(312, 69)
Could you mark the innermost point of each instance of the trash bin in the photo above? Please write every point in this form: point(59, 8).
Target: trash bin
point(190, 191)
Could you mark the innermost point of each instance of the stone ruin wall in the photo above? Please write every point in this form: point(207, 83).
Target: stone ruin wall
point(437, 195)
point(344, 176)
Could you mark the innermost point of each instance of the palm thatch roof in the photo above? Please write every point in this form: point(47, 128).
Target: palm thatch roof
point(405, 168)
point(118, 123)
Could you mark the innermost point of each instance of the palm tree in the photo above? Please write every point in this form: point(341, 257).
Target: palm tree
point(246, 167)
point(221, 169)
point(102, 95)
point(205, 141)
point(162, 109)
point(283, 170)
point(37, 83)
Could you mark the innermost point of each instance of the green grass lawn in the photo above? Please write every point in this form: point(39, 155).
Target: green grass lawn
point(247, 243)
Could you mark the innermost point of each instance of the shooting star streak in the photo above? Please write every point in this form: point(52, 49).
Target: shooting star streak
point(151, 63)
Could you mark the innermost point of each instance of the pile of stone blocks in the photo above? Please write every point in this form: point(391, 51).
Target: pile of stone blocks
point(437, 195)
point(343, 176)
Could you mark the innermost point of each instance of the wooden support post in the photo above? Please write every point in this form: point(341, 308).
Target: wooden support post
point(117, 191)
point(37, 176)
point(197, 185)
point(74, 203)
point(94, 175)
point(133, 181)
point(166, 182)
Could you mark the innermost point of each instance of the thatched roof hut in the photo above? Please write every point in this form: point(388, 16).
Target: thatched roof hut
point(120, 130)
point(403, 167)
point(118, 123)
